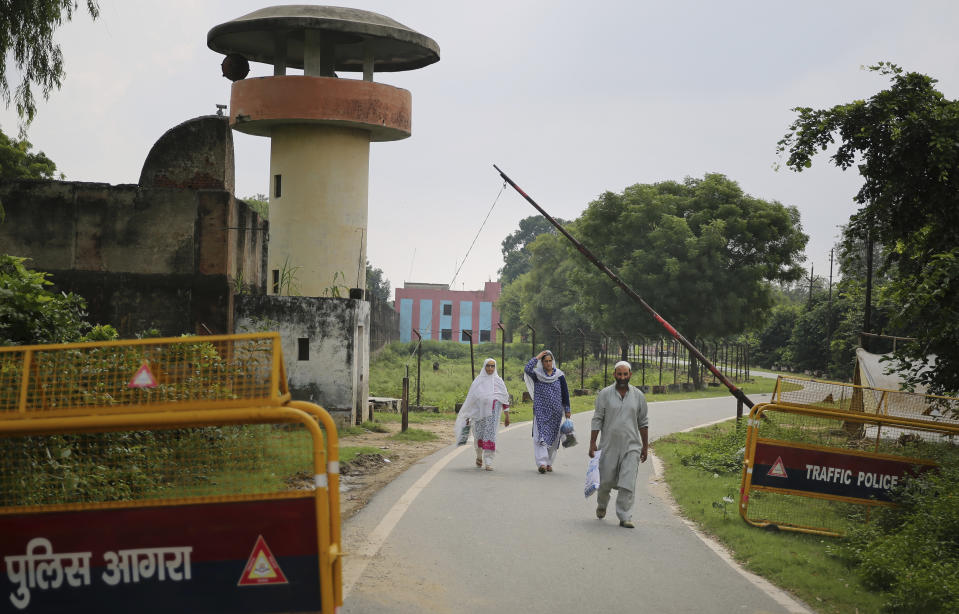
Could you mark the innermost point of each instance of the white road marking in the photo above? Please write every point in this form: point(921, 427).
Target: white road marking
point(379, 535)
point(777, 594)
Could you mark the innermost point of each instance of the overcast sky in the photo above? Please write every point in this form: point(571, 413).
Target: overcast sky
point(570, 99)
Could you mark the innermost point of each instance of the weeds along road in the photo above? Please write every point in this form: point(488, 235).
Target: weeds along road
point(448, 537)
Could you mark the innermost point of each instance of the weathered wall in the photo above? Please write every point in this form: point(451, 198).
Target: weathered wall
point(197, 154)
point(334, 372)
point(143, 256)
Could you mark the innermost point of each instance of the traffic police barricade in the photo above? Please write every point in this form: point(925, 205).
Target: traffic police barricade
point(823, 454)
point(164, 474)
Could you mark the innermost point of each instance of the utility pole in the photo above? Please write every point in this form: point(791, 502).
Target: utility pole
point(867, 311)
point(812, 268)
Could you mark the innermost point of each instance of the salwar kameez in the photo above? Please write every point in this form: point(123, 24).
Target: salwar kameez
point(620, 419)
point(550, 403)
point(486, 400)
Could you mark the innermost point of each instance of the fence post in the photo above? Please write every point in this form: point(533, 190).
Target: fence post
point(605, 355)
point(582, 359)
point(502, 354)
point(406, 403)
point(469, 335)
point(419, 356)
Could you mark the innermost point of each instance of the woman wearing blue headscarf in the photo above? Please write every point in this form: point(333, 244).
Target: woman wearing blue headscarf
point(547, 385)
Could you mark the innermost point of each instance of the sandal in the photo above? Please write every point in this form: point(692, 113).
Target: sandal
point(489, 467)
point(479, 463)
point(549, 468)
point(542, 468)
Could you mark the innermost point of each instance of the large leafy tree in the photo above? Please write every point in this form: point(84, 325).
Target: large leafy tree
point(700, 252)
point(904, 141)
point(26, 37)
point(515, 247)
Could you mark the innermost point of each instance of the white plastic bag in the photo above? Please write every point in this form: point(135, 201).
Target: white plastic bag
point(592, 475)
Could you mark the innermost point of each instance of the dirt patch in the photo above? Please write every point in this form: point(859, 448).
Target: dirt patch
point(366, 474)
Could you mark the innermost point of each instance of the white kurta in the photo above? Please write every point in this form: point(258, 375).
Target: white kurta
point(619, 419)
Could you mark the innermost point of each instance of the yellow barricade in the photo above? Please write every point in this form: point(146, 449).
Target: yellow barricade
point(181, 373)
point(821, 466)
point(191, 446)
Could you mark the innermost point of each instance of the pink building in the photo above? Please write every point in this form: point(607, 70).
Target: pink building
point(443, 314)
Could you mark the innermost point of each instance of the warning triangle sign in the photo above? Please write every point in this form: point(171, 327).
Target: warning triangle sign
point(261, 567)
point(778, 470)
point(143, 378)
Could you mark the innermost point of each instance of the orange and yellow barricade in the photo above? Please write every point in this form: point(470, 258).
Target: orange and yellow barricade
point(169, 473)
point(823, 454)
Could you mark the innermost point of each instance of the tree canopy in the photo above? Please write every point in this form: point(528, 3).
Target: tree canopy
point(904, 141)
point(18, 162)
point(26, 37)
point(515, 247)
point(699, 251)
point(377, 285)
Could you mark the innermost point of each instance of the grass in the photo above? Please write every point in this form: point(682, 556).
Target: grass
point(412, 434)
point(348, 453)
point(447, 383)
point(797, 562)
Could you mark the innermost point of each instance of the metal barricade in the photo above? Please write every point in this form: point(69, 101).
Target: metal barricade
point(193, 483)
point(815, 464)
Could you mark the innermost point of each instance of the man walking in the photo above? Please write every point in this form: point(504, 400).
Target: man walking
point(621, 414)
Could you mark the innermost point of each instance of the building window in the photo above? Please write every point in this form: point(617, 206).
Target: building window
point(465, 335)
point(484, 336)
point(276, 281)
point(448, 309)
point(446, 334)
point(303, 348)
point(277, 185)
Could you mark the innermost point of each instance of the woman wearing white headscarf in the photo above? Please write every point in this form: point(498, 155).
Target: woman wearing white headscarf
point(547, 385)
point(485, 400)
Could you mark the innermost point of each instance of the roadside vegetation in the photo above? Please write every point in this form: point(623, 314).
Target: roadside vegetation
point(905, 559)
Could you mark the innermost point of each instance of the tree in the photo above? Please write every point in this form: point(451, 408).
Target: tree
point(515, 247)
point(31, 314)
point(18, 162)
point(905, 143)
point(259, 203)
point(700, 252)
point(26, 36)
point(377, 285)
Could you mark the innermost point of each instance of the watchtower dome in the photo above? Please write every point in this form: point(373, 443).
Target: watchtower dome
point(320, 127)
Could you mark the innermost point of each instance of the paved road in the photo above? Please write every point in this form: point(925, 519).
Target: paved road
point(447, 537)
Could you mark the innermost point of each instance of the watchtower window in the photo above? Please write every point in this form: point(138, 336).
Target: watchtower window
point(277, 185)
point(303, 348)
point(276, 281)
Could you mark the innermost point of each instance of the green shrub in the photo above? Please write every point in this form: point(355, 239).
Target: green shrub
point(911, 553)
point(721, 452)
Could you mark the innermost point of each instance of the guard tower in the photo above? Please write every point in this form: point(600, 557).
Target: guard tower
point(320, 128)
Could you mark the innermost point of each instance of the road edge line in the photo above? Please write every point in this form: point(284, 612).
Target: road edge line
point(792, 605)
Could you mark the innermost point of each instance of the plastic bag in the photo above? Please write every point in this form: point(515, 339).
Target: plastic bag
point(464, 436)
point(592, 475)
